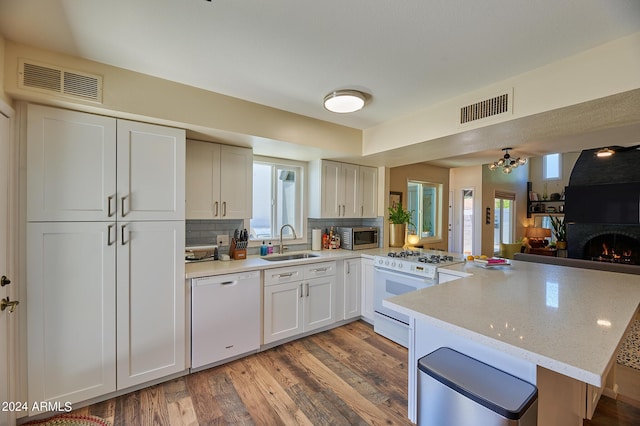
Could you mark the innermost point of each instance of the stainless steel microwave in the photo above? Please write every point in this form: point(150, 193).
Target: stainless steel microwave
point(359, 238)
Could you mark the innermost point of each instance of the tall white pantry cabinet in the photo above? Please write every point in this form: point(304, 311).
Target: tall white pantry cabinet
point(105, 247)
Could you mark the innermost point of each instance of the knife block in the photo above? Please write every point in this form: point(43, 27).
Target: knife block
point(237, 253)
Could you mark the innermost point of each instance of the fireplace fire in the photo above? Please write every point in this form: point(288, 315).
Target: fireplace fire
point(614, 248)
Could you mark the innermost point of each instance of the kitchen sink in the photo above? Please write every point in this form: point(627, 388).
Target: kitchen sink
point(295, 256)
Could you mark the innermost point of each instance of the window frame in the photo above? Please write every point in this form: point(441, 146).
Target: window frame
point(300, 190)
point(438, 209)
point(545, 167)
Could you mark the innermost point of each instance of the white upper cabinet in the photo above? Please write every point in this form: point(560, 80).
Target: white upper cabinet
point(219, 181)
point(71, 159)
point(151, 168)
point(75, 159)
point(342, 190)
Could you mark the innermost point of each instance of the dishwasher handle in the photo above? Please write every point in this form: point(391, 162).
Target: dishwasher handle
point(229, 280)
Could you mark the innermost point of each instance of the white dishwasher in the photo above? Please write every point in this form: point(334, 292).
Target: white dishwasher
point(225, 317)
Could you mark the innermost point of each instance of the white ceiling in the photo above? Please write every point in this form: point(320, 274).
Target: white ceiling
point(287, 54)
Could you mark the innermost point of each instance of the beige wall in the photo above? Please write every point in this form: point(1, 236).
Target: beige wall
point(493, 181)
point(602, 71)
point(138, 96)
point(398, 178)
point(460, 179)
point(3, 95)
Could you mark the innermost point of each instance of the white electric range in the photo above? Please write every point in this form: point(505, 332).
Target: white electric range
point(398, 273)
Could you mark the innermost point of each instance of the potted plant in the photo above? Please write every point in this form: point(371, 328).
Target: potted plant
point(560, 231)
point(398, 218)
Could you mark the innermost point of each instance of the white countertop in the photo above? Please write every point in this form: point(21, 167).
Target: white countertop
point(253, 263)
point(568, 320)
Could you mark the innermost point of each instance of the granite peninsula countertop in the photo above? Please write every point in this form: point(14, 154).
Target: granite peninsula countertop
point(568, 320)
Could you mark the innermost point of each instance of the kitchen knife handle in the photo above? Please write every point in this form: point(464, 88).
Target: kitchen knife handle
point(215, 205)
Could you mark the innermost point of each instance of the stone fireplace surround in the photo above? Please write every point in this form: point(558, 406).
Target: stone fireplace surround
point(621, 168)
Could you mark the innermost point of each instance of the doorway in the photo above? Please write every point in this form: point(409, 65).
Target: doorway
point(504, 219)
point(467, 221)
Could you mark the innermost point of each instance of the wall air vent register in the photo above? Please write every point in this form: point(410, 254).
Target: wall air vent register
point(59, 81)
point(486, 108)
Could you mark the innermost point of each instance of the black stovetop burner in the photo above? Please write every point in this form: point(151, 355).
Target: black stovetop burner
point(435, 258)
point(404, 253)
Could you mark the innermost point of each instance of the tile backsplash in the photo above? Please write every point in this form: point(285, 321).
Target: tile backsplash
point(205, 232)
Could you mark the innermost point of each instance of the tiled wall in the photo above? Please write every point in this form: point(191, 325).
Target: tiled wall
point(205, 232)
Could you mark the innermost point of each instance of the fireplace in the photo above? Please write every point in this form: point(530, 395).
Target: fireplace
point(602, 207)
point(614, 248)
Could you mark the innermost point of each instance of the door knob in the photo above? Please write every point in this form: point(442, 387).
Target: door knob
point(4, 281)
point(6, 303)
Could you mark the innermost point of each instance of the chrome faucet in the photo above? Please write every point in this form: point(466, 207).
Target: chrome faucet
point(282, 247)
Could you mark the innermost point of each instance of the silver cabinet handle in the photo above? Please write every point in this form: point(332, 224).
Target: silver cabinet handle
point(307, 289)
point(325, 269)
point(123, 241)
point(284, 275)
point(109, 199)
point(301, 290)
point(361, 210)
point(224, 209)
point(215, 206)
point(122, 205)
point(109, 228)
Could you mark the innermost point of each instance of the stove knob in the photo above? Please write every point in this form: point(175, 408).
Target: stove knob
point(386, 262)
point(400, 265)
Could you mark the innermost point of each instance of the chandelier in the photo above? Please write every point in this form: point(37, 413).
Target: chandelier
point(507, 163)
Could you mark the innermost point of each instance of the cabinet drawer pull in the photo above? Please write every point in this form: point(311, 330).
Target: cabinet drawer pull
point(215, 206)
point(325, 269)
point(224, 208)
point(109, 228)
point(122, 206)
point(301, 290)
point(307, 289)
point(109, 199)
point(283, 275)
point(123, 241)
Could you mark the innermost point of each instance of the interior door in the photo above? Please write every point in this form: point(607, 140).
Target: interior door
point(5, 344)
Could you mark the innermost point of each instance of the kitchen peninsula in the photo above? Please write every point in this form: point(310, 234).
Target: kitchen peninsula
point(556, 327)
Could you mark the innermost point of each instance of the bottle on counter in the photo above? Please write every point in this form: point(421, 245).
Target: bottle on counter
point(270, 248)
point(325, 239)
point(263, 249)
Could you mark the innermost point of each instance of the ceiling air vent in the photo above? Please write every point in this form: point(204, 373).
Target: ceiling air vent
point(60, 81)
point(483, 109)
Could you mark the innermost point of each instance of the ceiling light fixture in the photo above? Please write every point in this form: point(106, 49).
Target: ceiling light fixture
point(344, 101)
point(605, 152)
point(507, 163)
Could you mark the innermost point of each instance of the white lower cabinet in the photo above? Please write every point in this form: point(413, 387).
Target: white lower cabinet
point(106, 307)
point(367, 289)
point(298, 299)
point(352, 292)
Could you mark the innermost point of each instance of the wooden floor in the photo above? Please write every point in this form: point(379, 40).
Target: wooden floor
point(345, 376)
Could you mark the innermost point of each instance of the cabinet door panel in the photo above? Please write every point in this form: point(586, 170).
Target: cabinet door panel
point(319, 302)
point(203, 180)
point(151, 301)
point(236, 182)
point(367, 290)
point(71, 165)
point(352, 200)
point(369, 187)
point(352, 288)
point(151, 171)
point(332, 189)
point(282, 311)
point(71, 323)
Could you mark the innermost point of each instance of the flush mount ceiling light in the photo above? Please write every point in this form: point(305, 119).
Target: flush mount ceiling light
point(344, 101)
point(605, 152)
point(507, 163)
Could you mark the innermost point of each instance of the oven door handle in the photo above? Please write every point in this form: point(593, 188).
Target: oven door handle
point(405, 276)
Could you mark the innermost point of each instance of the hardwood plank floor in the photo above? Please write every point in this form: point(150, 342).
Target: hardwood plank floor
point(345, 376)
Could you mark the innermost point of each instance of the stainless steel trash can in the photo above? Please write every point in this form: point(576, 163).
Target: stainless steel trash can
point(455, 389)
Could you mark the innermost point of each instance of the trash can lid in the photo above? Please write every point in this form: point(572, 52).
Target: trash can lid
point(500, 392)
